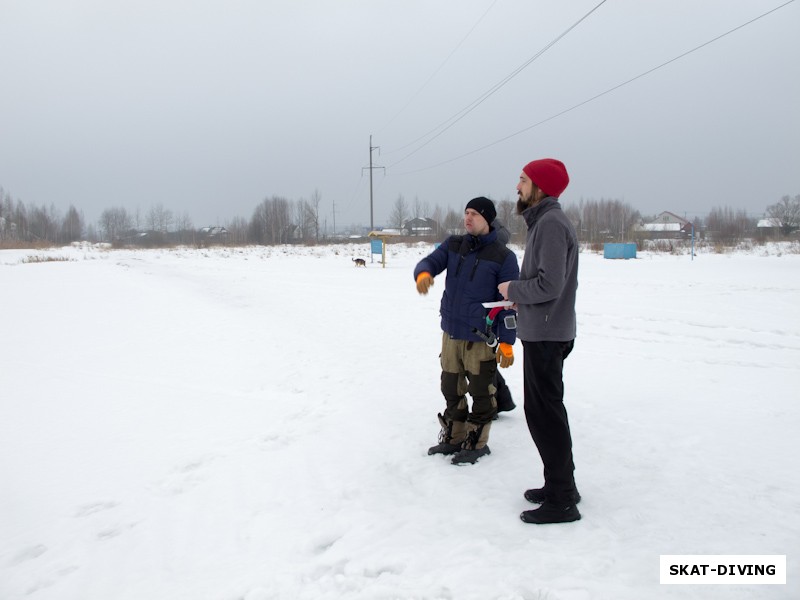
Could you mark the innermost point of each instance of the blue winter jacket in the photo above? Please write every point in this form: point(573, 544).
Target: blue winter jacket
point(475, 266)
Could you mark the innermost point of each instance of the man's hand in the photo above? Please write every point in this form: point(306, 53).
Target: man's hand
point(424, 282)
point(503, 289)
point(505, 355)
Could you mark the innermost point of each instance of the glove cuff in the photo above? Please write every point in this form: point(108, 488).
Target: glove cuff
point(423, 275)
point(506, 349)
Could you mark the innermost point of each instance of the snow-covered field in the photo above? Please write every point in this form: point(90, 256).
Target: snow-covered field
point(252, 424)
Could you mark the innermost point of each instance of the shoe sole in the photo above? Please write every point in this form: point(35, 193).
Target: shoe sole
point(470, 462)
point(535, 521)
point(445, 451)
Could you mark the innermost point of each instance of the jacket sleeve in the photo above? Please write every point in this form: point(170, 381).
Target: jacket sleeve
point(549, 253)
point(508, 272)
point(435, 262)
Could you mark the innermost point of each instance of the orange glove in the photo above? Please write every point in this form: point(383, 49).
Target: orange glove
point(424, 282)
point(505, 355)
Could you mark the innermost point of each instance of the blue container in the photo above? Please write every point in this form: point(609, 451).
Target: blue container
point(619, 250)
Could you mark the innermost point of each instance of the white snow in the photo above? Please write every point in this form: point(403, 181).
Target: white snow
point(252, 424)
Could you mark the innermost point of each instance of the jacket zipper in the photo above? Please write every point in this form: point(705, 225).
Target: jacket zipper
point(474, 268)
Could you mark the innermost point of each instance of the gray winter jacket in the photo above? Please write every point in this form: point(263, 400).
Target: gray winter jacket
point(548, 280)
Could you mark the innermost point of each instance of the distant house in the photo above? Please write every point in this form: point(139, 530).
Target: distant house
point(769, 227)
point(420, 226)
point(666, 225)
point(213, 232)
point(292, 234)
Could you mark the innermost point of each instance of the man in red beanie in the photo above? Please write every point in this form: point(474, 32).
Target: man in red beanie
point(545, 299)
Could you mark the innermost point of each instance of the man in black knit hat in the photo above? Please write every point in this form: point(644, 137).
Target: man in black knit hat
point(472, 345)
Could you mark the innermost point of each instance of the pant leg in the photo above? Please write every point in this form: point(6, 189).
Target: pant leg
point(546, 415)
point(503, 393)
point(481, 368)
point(453, 380)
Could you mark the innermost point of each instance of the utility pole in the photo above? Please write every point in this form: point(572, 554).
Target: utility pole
point(371, 213)
point(334, 218)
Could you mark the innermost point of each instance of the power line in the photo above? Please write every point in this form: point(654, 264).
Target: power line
point(354, 194)
point(447, 124)
point(439, 68)
point(601, 94)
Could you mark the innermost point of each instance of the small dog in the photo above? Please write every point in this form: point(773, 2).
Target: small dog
point(360, 262)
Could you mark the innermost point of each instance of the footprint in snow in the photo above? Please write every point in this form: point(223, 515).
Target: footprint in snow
point(95, 507)
point(29, 553)
point(185, 477)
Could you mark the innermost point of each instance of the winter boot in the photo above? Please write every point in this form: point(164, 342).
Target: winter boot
point(538, 496)
point(474, 445)
point(505, 402)
point(451, 437)
point(550, 512)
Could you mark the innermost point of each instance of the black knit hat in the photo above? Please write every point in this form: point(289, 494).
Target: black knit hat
point(484, 207)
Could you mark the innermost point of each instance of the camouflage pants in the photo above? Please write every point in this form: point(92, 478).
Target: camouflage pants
point(468, 367)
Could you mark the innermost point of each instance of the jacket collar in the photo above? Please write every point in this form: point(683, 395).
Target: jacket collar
point(471, 243)
point(486, 238)
point(534, 213)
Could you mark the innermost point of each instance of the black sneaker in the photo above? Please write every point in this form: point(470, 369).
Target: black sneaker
point(537, 496)
point(551, 513)
point(470, 456)
point(444, 448)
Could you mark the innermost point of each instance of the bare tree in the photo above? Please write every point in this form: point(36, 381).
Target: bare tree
point(115, 223)
point(159, 219)
point(20, 222)
point(44, 224)
point(603, 220)
point(91, 233)
point(311, 214)
point(787, 212)
point(421, 210)
point(7, 225)
point(184, 222)
point(453, 221)
point(304, 218)
point(184, 228)
point(72, 226)
point(237, 231)
point(399, 213)
point(136, 219)
point(6, 213)
point(438, 217)
point(728, 225)
point(271, 221)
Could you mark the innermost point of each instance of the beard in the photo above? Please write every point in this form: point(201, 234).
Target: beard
point(522, 204)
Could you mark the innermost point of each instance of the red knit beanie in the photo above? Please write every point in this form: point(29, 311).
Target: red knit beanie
point(549, 175)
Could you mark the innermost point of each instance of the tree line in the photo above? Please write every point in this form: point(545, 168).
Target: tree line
point(611, 220)
point(278, 220)
point(275, 220)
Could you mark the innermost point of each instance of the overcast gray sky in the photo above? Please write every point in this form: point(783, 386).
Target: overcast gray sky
point(208, 106)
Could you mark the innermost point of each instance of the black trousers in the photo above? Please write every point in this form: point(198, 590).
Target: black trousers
point(543, 364)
